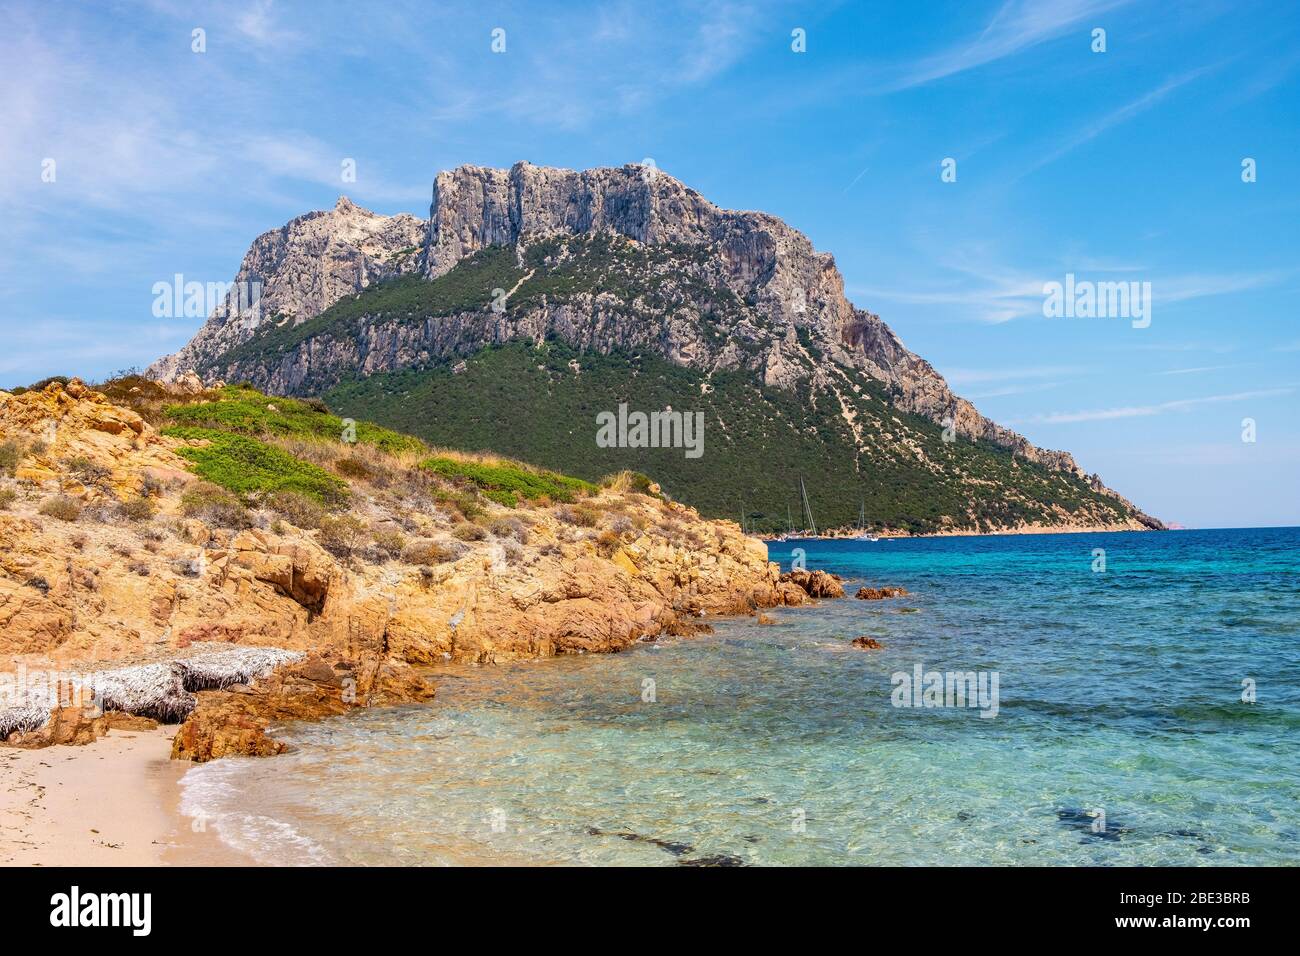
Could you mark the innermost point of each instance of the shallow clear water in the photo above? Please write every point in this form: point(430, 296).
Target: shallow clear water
point(1118, 692)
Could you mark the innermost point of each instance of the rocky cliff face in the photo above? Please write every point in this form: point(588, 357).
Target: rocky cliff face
point(299, 270)
point(627, 258)
point(760, 258)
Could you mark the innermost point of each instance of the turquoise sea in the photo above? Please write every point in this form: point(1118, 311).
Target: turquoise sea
point(1121, 735)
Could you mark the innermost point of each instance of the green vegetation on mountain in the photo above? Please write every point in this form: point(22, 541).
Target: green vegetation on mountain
point(507, 483)
point(262, 447)
point(247, 466)
point(529, 403)
point(247, 411)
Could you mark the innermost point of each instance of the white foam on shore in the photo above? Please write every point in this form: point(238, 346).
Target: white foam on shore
point(211, 796)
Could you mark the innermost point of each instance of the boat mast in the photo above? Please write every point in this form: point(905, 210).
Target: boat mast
point(807, 508)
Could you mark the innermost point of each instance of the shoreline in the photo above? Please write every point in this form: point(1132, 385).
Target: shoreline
point(113, 802)
point(1009, 532)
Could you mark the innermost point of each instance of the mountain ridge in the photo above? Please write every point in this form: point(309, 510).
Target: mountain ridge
point(606, 260)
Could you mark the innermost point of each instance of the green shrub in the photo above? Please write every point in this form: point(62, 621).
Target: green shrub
point(61, 507)
point(247, 411)
point(247, 466)
point(40, 386)
point(7, 496)
point(507, 483)
point(215, 505)
point(466, 504)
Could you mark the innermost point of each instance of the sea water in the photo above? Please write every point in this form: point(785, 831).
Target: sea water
point(1148, 712)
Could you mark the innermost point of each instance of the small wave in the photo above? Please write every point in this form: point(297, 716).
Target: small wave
point(210, 796)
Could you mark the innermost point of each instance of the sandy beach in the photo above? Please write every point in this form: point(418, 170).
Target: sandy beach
point(114, 802)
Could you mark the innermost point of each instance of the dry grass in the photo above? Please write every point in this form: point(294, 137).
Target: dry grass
point(61, 507)
point(10, 455)
point(432, 551)
point(468, 531)
point(136, 509)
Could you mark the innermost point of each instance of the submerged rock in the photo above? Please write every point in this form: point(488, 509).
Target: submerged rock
point(670, 846)
point(880, 594)
point(718, 859)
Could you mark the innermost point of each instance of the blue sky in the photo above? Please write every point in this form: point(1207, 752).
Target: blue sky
point(1122, 165)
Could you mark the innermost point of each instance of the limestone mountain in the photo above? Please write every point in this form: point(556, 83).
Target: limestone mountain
point(300, 270)
point(534, 298)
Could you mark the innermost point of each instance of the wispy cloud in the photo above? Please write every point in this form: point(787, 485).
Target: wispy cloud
point(984, 289)
point(1018, 25)
point(981, 376)
point(1008, 390)
point(1112, 119)
point(1184, 288)
point(1011, 380)
point(1197, 370)
point(259, 24)
point(1140, 411)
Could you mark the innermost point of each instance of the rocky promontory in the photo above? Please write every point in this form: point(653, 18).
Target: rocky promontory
point(230, 559)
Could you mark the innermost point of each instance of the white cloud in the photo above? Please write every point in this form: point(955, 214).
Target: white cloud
point(1139, 411)
point(1126, 112)
point(1018, 25)
point(985, 290)
point(975, 376)
point(1196, 370)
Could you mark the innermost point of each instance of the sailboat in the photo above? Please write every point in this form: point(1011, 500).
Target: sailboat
point(863, 534)
point(807, 508)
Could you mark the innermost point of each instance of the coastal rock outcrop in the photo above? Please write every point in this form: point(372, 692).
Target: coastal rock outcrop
point(816, 584)
point(231, 625)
